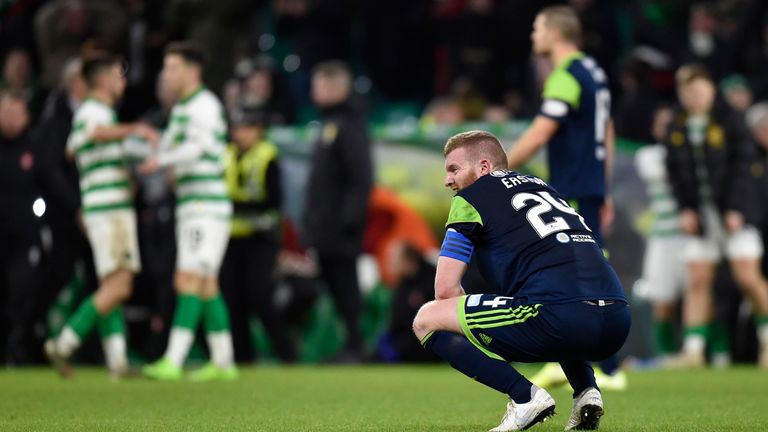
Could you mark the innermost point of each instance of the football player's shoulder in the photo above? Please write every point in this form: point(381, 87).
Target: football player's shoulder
point(93, 111)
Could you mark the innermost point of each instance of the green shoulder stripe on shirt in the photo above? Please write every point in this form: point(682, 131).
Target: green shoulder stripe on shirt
point(210, 158)
point(561, 85)
point(114, 163)
point(78, 126)
point(191, 198)
point(107, 207)
point(111, 185)
point(462, 211)
point(180, 118)
point(91, 145)
point(198, 178)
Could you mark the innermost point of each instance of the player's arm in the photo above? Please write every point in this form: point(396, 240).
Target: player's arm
point(607, 210)
point(455, 255)
point(561, 96)
point(198, 136)
point(448, 278)
point(533, 139)
point(464, 224)
point(106, 133)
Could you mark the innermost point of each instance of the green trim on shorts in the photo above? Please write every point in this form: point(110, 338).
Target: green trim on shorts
point(511, 316)
point(468, 333)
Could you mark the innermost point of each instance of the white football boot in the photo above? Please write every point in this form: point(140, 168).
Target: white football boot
point(587, 410)
point(522, 416)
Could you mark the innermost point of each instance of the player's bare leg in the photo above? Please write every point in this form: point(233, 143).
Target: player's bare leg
point(115, 289)
point(749, 277)
point(696, 315)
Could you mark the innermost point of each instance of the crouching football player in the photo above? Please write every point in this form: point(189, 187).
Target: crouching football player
point(559, 299)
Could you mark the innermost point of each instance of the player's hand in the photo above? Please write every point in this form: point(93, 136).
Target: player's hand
point(734, 221)
point(607, 214)
point(689, 222)
point(147, 133)
point(149, 166)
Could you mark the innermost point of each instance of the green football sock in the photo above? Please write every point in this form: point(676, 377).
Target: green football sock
point(187, 315)
point(84, 318)
point(216, 315)
point(113, 323)
point(761, 320)
point(718, 338)
point(665, 337)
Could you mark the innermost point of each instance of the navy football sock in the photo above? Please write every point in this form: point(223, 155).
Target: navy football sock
point(467, 359)
point(610, 365)
point(580, 375)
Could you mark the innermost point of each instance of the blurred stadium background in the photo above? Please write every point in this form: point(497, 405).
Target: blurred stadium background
point(425, 69)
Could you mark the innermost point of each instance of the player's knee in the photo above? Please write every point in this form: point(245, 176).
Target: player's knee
point(422, 325)
point(187, 283)
point(119, 285)
point(748, 278)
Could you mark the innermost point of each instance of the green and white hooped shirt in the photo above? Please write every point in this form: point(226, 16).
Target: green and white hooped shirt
point(104, 178)
point(194, 144)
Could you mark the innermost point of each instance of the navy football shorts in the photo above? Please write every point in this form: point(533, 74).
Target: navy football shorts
point(509, 329)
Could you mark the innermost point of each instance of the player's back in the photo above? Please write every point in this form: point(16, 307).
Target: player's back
point(530, 242)
point(576, 153)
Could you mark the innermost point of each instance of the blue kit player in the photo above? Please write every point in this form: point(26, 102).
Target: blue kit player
point(574, 124)
point(559, 299)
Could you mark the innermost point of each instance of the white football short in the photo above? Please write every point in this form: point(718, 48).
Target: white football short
point(664, 271)
point(716, 242)
point(114, 241)
point(201, 244)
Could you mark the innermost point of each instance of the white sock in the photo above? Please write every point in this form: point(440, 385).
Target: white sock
point(178, 345)
point(694, 343)
point(115, 351)
point(220, 345)
point(67, 342)
point(762, 334)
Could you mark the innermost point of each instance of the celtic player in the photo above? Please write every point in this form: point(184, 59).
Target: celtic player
point(96, 142)
point(193, 146)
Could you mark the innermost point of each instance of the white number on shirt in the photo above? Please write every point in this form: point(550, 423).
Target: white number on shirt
point(544, 203)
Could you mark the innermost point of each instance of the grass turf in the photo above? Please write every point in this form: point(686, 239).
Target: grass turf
point(374, 398)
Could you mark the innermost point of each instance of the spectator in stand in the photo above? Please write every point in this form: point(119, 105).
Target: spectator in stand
point(736, 91)
point(20, 254)
point(18, 77)
point(63, 28)
point(635, 111)
point(260, 90)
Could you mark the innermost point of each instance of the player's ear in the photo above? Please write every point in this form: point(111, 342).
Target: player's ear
point(485, 166)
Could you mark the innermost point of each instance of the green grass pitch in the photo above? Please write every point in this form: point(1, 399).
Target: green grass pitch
point(367, 398)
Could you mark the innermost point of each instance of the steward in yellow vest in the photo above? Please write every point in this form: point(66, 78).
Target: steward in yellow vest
point(248, 275)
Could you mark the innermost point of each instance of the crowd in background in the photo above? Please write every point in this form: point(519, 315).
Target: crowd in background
point(448, 61)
